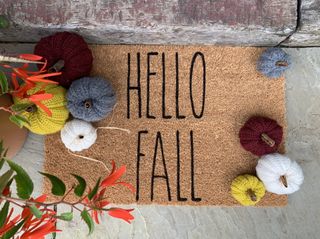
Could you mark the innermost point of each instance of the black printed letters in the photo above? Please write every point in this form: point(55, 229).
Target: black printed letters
point(145, 75)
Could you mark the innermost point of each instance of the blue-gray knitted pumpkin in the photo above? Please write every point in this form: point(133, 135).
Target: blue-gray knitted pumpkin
point(273, 62)
point(90, 98)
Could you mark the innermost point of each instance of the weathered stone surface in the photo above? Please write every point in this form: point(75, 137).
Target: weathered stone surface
point(308, 33)
point(239, 22)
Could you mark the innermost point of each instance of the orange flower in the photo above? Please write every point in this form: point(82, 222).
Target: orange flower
point(9, 223)
point(41, 229)
point(29, 77)
point(97, 203)
point(27, 214)
point(123, 214)
point(112, 178)
point(36, 228)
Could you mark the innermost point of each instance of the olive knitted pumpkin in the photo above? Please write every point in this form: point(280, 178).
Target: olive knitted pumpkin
point(39, 121)
point(273, 62)
point(260, 135)
point(91, 98)
point(247, 189)
point(67, 53)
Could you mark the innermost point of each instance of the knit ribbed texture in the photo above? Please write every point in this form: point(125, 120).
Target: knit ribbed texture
point(251, 135)
point(273, 62)
point(78, 135)
point(40, 122)
point(72, 49)
point(95, 91)
point(272, 167)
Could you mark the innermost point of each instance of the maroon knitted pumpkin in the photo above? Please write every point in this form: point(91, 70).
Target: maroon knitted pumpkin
point(261, 135)
point(68, 53)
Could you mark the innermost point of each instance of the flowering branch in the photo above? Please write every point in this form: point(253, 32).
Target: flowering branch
point(36, 219)
point(30, 80)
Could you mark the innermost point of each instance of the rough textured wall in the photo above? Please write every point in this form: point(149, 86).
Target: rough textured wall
point(245, 22)
point(308, 32)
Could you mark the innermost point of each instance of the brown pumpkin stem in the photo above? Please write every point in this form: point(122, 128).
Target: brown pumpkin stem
point(56, 67)
point(281, 63)
point(252, 195)
point(265, 138)
point(284, 181)
point(88, 104)
point(31, 109)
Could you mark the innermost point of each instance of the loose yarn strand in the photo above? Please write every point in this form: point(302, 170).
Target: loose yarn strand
point(90, 159)
point(115, 128)
point(110, 122)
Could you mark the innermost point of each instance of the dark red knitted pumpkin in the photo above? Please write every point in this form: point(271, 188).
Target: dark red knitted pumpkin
point(68, 53)
point(261, 135)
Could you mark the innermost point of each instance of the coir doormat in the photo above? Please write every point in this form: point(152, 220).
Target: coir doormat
point(184, 106)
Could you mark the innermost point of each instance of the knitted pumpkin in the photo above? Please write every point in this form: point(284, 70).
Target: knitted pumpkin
point(279, 174)
point(39, 120)
point(66, 52)
point(78, 135)
point(247, 189)
point(273, 62)
point(261, 135)
point(91, 98)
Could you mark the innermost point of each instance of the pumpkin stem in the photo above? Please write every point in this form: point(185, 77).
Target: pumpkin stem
point(284, 181)
point(57, 66)
point(252, 195)
point(88, 104)
point(31, 109)
point(265, 138)
point(281, 63)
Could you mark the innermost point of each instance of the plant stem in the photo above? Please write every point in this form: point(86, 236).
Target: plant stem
point(25, 202)
point(17, 204)
point(6, 109)
point(62, 199)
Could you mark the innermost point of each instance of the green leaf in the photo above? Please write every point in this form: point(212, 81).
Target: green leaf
point(23, 181)
point(19, 120)
point(66, 216)
point(1, 163)
point(9, 234)
point(20, 107)
point(81, 187)
point(5, 153)
point(4, 179)
point(94, 190)
point(4, 213)
point(35, 211)
point(4, 86)
point(14, 119)
point(58, 187)
point(88, 220)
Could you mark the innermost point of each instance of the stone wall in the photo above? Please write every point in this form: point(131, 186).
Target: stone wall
point(232, 22)
point(235, 22)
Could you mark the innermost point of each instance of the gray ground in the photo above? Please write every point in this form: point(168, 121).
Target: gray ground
point(300, 219)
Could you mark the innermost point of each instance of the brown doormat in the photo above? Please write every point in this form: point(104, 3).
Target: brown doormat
point(184, 110)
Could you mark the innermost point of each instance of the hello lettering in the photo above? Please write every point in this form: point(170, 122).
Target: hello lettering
point(142, 110)
point(134, 87)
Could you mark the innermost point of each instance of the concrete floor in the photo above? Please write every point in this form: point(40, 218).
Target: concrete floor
point(300, 219)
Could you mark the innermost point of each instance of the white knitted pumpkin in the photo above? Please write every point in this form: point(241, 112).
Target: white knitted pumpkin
point(279, 174)
point(78, 135)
